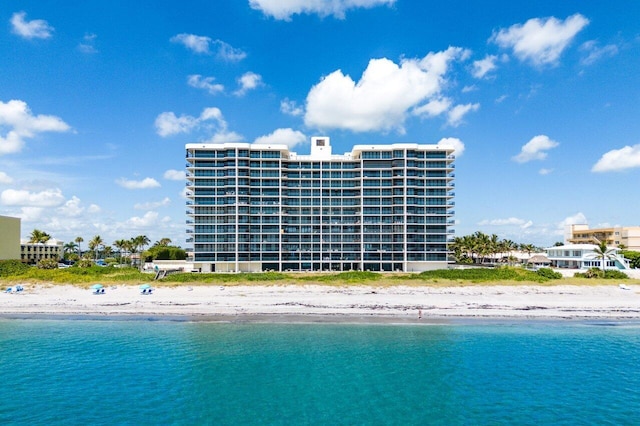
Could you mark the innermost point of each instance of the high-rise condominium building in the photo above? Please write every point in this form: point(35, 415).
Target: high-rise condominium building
point(258, 207)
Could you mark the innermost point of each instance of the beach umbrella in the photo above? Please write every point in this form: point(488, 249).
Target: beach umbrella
point(96, 286)
point(144, 286)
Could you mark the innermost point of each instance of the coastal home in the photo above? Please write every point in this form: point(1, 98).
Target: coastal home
point(10, 240)
point(583, 256)
point(259, 207)
point(31, 253)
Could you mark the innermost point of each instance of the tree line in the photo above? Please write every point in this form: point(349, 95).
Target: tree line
point(478, 247)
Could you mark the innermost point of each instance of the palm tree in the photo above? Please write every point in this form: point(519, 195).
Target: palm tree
point(38, 236)
point(94, 245)
point(603, 253)
point(69, 247)
point(78, 240)
point(163, 242)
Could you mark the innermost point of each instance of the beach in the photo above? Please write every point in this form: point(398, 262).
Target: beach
point(317, 303)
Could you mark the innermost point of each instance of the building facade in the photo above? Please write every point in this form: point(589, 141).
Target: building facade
point(31, 253)
point(583, 256)
point(258, 207)
point(616, 236)
point(9, 238)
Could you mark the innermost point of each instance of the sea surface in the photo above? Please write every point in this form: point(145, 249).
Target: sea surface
point(140, 372)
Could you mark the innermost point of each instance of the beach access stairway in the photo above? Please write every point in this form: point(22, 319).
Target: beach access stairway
point(161, 273)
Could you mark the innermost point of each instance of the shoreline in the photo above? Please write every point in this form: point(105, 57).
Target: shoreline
point(321, 304)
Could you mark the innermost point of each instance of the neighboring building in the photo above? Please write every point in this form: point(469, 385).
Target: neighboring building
point(32, 252)
point(627, 236)
point(258, 207)
point(583, 256)
point(10, 238)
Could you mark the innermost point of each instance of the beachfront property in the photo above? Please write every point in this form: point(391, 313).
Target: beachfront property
point(615, 236)
point(31, 253)
point(259, 207)
point(10, 240)
point(583, 256)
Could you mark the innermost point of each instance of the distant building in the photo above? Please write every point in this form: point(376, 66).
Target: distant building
point(32, 252)
point(583, 256)
point(627, 236)
point(258, 207)
point(9, 238)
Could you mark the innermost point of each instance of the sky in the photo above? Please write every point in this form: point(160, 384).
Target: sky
point(539, 99)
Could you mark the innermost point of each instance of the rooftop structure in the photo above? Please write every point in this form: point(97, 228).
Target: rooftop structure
point(258, 207)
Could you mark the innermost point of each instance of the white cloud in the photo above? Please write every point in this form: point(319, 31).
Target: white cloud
point(290, 108)
point(457, 113)
point(94, 208)
point(175, 175)
point(149, 219)
point(211, 120)
point(455, 143)
point(205, 83)
point(545, 172)
point(31, 214)
point(384, 95)
point(46, 198)
point(484, 66)
point(593, 52)
point(37, 28)
point(153, 205)
point(287, 137)
point(203, 45)
point(619, 159)
point(22, 124)
point(195, 43)
point(5, 178)
point(145, 183)
point(283, 10)
point(535, 149)
point(72, 208)
point(434, 107)
point(248, 81)
point(88, 44)
point(540, 41)
point(511, 221)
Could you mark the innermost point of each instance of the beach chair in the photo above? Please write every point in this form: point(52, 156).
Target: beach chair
point(19, 288)
point(8, 290)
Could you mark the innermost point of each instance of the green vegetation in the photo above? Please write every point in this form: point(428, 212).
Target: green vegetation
point(10, 268)
point(487, 275)
point(476, 248)
point(633, 256)
point(599, 273)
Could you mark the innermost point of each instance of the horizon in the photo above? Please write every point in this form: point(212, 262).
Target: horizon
point(99, 100)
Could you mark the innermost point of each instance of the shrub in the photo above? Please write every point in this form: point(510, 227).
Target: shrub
point(12, 267)
point(549, 273)
point(48, 264)
point(615, 275)
point(610, 274)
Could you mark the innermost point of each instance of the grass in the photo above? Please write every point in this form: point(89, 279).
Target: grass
point(85, 277)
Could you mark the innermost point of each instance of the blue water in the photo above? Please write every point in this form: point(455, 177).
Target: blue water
point(78, 372)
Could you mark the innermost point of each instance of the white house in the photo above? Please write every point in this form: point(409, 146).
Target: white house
point(583, 256)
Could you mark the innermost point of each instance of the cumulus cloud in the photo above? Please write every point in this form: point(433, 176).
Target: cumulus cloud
point(511, 221)
point(210, 120)
point(434, 107)
point(37, 28)
point(284, 10)
point(71, 208)
point(248, 81)
point(456, 115)
point(593, 52)
point(484, 66)
point(152, 205)
point(540, 41)
point(149, 219)
point(5, 178)
point(175, 175)
point(384, 95)
point(618, 159)
point(287, 137)
point(205, 83)
point(454, 143)
point(206, 46)
point(145, 183)
point(290, 107)
point(535, 149)
point(45, 198)
point(21, 124)
point(88, 44)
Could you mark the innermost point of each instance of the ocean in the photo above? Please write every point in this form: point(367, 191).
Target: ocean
point(143, 372)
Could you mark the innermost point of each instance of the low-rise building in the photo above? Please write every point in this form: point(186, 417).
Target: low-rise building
point(584, 256)
point(33, 252)
point(10, 238)
point(615, 236)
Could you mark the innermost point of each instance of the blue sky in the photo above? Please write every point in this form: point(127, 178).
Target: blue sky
point(540, 99)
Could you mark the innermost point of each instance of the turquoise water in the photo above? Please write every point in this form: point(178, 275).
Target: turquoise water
point(78, 372)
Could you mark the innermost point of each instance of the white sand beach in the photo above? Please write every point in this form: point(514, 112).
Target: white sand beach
point(323, 303)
